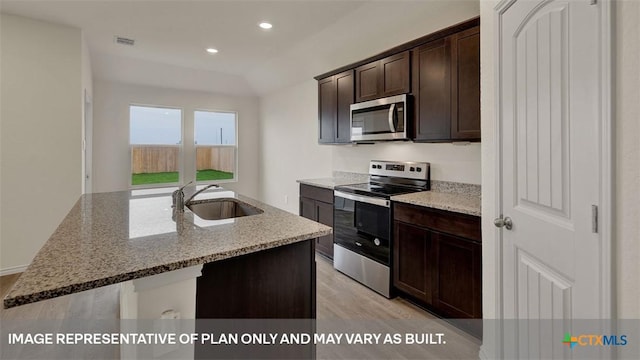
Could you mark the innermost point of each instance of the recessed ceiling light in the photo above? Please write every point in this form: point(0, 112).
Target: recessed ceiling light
point(212, 50)
point(265, 25)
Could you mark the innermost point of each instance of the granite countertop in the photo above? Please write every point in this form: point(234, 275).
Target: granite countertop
point(109, 238)
point(330, 183)
point(469, 204)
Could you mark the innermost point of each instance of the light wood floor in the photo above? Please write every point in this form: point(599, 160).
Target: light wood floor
point(343, 305)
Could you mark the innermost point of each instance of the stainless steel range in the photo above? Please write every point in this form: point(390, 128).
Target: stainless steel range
point(362, 226)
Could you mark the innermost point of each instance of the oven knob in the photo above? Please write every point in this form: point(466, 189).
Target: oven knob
point(379, 166)
point(412, 169)
point(418, 169)
point(373, 166)
point(376, 241)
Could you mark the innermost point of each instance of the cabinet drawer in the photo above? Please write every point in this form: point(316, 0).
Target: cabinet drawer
point(466, 226)
point(316, 193)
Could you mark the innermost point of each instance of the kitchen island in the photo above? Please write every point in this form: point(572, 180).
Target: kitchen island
point(115, 237)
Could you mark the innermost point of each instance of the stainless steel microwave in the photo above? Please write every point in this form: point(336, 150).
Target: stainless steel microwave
point(380, 119)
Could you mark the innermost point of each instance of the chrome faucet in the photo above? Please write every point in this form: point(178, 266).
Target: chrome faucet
point(178, 198)
point(188, 201)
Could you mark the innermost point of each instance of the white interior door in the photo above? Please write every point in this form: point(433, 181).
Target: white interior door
point(550, 107)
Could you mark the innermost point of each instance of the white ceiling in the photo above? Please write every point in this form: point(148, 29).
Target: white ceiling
point(171, 37)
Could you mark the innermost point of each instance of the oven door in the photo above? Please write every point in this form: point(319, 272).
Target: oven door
point(362, 224)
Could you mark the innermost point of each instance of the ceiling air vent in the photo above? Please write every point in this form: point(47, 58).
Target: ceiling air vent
point(124, 41)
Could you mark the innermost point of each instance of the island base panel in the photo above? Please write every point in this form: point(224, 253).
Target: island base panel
point(270, 286)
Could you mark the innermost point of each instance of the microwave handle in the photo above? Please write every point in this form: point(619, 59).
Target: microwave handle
point(392, 111)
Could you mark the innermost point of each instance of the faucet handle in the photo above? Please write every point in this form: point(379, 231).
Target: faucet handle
point(185, 185)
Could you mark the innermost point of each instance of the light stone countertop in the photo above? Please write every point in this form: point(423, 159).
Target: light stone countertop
point(469, 204)
point(109, 238)
point(330, 183)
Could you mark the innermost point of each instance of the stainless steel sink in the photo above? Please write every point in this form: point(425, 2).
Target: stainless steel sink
point(225, 208)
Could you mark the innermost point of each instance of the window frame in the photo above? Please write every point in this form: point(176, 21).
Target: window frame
point(237, 148)
point(180, 150)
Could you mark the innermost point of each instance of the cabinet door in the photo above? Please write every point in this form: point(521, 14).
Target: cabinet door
point(457, 290)
point(395, 74)
point(465, 112)
point(411, 265)
point(324, 213)
point(368, 82)
point(345, 88)
point(308, 208)
point(432, 90)
point(326, 110)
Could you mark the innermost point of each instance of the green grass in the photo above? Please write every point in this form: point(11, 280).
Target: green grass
point(210, 174)
point(172, 177)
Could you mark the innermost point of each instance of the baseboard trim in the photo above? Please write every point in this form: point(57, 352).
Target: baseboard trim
point(13, 270)
point(482, 354)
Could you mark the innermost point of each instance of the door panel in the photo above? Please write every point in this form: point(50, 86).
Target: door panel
point(395, 74)
point(327, 110)
point(308, 208)
point(412, 268)
point(465, 80)
point(548, 105)
point(542, 118)
point(431, 87)
point(344, 83)
point(368, 82)
point(458, 276)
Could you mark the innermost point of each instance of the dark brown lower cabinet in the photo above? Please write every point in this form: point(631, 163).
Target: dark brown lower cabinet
point(438, 261)
point(412, 256)
point(457, 287)
point(317, 204)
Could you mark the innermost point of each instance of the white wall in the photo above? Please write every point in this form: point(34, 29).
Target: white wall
point(459, 163)
point(41, 83)
point(111, 157)
point(289, 144)
point(626, 240)
point(289, 118)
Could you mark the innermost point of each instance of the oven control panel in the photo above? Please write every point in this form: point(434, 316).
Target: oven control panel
point(409, 170)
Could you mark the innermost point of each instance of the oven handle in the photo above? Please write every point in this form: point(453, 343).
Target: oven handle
point(364, 199)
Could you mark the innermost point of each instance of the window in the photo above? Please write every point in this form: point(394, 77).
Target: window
point(216, 145)
point(155, 137)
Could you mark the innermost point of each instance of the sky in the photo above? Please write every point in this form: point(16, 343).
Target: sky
point(162, 126)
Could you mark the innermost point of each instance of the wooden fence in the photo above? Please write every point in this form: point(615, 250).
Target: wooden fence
point(154, 158)
point(221, 158)
point(165, 158)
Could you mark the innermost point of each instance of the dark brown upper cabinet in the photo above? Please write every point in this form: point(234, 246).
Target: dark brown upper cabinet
point(432, 90)
point(335, 96)
point(446, 78)
point(382, 78)
point(465, 61)
point(440, 70)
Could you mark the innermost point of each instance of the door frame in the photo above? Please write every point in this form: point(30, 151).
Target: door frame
point(87, 144)
point(605, 224)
